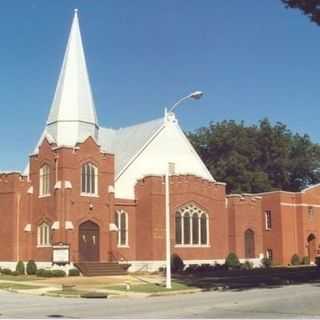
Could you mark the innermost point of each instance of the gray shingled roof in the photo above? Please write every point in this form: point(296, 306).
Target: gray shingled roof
point(125, 143)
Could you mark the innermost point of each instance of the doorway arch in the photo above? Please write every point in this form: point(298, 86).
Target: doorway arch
point(312, 247)
point(89, 241)
point(249, 247)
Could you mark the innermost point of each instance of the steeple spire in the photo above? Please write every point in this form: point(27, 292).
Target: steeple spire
point(72, 117)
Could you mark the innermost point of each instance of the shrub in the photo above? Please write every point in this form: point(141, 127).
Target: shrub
point(74, 272)
point(58, 273)
point(31, 267)
point(192, 268)
point(177, 264)
point(305, 260)
point(317, 261)
point(44, 273)
point(20, 267)
point(15, 273)
point(295, 260)
point(232, 261)
point(266, 262)
point(247, 265)
point(6, 271)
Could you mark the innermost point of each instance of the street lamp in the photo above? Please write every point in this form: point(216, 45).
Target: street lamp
point(169, 171)
point(196, 95)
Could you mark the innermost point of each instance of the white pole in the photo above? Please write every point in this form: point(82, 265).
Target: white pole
point(168, 249)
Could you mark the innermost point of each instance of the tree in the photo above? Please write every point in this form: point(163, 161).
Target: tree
point(311, 8)
point(258, 158)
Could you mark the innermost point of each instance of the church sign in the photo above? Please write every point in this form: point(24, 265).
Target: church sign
point(61, 253)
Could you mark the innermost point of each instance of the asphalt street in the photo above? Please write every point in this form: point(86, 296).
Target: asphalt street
point(295, 301)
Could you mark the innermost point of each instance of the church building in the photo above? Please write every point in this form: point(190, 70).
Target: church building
point(96, 195)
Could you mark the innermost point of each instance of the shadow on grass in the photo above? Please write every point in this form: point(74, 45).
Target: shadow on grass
point(239, 280)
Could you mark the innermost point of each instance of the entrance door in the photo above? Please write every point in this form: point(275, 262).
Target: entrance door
point(249, 244)
point(312, 247)
point(89, 241)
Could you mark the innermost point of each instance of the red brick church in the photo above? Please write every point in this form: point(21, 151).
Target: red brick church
point(99, 193)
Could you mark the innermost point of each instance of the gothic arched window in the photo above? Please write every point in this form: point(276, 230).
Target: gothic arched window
point(89, 179)
point(191, 227)
point(44, 181)
point(122, 224)
point(44, 235)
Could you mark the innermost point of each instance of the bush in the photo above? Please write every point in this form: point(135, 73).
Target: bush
point(74, 272)
point(58, 273)
point(247, 265)
point(44, 273)
point(232, 261)
point(317, 261)
point(15, 273)
point(266, 262)
point(192, 268)
point(295, 260)
point(20, 267)
point(6, 271)
point(305, 260)
point(31, 267)
point(177, 264)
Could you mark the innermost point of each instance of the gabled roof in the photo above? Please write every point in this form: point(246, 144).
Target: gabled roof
point(125, 143)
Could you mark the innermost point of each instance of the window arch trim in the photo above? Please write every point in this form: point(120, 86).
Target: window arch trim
point(123, 231)
point(44, 180)
point(191, 209)
point(44, 233)
point(89, 179)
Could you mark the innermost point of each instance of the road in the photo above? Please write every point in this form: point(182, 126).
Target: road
point(293, 301)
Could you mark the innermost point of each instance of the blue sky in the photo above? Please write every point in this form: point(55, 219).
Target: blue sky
point(253, 59)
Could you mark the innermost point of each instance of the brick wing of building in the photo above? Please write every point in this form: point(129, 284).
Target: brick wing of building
point(100, 192)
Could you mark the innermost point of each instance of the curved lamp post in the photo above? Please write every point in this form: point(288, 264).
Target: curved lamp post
point(196, 96)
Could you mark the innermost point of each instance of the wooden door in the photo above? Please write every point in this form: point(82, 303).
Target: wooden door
point(89, 241)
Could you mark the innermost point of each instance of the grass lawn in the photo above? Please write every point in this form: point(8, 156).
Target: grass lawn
point(150, 287)
point(18, 286)
point(19, 278)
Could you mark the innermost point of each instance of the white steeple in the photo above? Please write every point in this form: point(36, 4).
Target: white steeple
point(72, 117)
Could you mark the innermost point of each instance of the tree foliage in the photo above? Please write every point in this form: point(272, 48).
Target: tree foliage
point(258, 158)
point(310, 8)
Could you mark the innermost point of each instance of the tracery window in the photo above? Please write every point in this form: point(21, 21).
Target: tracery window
point(122, 225)
point(89, 179)
point(44, 235)
point(191, 226)
point(44, 182)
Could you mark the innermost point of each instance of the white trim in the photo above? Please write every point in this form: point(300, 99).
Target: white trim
point(192, 246)
point(287, 204)
point(310, 188)
point(91, 195)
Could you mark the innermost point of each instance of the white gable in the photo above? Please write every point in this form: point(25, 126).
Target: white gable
point(168, 144)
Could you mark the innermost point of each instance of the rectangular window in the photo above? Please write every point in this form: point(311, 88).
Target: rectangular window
point(268, 220)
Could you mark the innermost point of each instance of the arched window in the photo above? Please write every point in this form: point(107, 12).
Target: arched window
point(44, 235)
point(191, 226)
point(89, 179)
point(122, 224)
point(249, 244)
point(44, 182)
point(203, 223)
